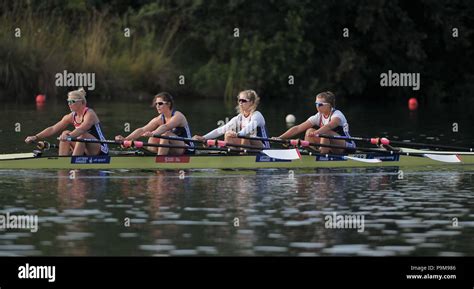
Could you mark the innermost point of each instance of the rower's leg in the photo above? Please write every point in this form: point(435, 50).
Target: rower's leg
point(169, 151)
point(313, 139)
point(175, 151)
point(255, 143)
point(90, 149)
point(153, 140)
point(335, 142)
point(65, 147)
point(231, 140)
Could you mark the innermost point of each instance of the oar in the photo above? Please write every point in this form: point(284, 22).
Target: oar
point(346, 157)
point(385, 141)
point(209, 142)
point(305, 144)
point(286, 154)
point(302, 143)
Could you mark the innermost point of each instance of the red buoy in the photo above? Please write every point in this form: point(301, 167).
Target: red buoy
point(40, 99)
point(412, 103)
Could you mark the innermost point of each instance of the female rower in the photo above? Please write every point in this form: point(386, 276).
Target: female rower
point(328, 121)
point(86, 125)
point(248, 122)
point(169, 122)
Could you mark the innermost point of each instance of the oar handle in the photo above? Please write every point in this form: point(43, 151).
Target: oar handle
point(386, 141)
point(374, 140)
point(277, 140)
point(91, 140)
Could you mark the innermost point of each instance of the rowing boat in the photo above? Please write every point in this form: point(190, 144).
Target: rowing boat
point(223, 161)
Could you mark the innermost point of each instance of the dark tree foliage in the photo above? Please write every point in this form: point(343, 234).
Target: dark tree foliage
point(276, 40)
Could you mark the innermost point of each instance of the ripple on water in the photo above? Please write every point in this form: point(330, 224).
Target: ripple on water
point(189, 223)
point(397, 249)
point(18, 250)
point(190, 209)
point(442, 233)
point(348, 249)
point(128, 235)
point(157, 248)
point(209, 250)
point(83, 212)
point(270, 249)
point(375, 253)
point(14, 235)
point(450, 254)
point(74, 236)
point(307, 245)
point(306, 222)
point(184, 252)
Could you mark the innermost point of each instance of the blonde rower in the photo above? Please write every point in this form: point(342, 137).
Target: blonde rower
point(328, 120)
point(169, 122)
point(249, 122)
point(86, 125)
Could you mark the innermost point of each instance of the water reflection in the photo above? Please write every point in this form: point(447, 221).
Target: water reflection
point(225, 212)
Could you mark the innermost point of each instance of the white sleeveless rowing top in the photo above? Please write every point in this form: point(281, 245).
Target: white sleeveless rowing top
point(253, 125)
point(343, 128)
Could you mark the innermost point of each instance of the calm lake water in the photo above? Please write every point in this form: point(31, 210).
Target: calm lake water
point(427, 211)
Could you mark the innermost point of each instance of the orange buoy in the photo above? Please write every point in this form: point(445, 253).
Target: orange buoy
point(412, 104)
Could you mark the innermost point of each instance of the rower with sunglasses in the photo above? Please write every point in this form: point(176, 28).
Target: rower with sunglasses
point(86, 125)
point(248, 122)
point(328, 121)
point(169, 122)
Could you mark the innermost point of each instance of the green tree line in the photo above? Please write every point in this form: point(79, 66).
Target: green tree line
point(280, 48)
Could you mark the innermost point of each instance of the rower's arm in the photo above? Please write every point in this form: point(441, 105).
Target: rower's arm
point(90, 119)
point(335, 122)
point(176, 120)
point(55, 129)
point(297, 129)
point(222, 129)
point(255, 121)
point(154, 123)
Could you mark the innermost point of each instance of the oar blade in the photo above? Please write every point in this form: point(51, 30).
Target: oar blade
point(370, 161)
point(443, 158)
point(17, 156)
point(288, 154)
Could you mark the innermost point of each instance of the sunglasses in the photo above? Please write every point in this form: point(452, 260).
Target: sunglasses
point(319, 104)
point(243, 100)
point(73, 101)
point(160, 103)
